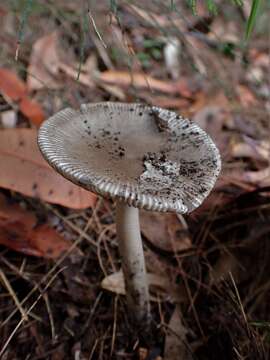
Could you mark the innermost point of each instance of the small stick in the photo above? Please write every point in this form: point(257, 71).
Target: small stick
point(96, 29)
point(114, 324)
point(29, 311)
point(48, 306)
point(13, 295)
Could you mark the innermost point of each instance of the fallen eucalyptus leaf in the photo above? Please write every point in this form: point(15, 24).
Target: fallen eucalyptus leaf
point(19, 231)
point(165, 231)
point(23, 169)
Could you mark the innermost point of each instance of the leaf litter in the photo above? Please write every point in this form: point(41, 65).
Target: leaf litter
point(228, 234)
point(24, 170)
point(12, 87)
point(20, 231)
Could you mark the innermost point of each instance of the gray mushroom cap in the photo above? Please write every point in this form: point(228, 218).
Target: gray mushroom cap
point(146, 156)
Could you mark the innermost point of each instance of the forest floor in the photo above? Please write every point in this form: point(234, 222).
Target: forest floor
point(62, 295)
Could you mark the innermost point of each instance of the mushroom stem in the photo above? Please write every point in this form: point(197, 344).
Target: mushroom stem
point(133, 264)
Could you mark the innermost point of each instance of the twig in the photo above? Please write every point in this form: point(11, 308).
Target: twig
point(25, 14)
point(58, 263)
point(13, 295)
point(81, 232)
point(29, 310)
point(93, 349)
point(96, 29)
point(114, 324)
point(238, 298)
point(47, 302)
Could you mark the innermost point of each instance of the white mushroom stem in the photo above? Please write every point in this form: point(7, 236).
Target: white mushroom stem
point(133, 264)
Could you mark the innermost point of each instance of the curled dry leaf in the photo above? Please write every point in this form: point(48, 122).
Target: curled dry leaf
point(262, 147)
point(260, 177)
point(138, 80)
point(255, 150)
point(115, 283)
point(12, 87)
point(259, 150)
point(175, 291)
point(44, 63)
point(165, 231)
point(23, 169)
point(20, 232)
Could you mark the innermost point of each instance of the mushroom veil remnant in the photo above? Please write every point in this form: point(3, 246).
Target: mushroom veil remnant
point(141, 156)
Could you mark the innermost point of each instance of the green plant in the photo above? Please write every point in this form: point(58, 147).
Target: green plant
point(252, 17)
point(212, 8)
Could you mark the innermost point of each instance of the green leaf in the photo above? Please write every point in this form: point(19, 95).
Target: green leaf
point(173, 6)
point(151, 43)
point(212, 8)
point(192, 4)
point(252, 17)
point(238, 2)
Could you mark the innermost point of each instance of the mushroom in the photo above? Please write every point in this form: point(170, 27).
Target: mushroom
point(141, 156)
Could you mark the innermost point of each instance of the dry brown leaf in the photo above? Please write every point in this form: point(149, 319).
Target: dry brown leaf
point(23, 169)
point(11, 85)
point(164, 231)
point(175, 291)
point(255, 150)
point(32, 111)
point(246, 97)
point(138, 80)
point(44, 63)
point(115, 283)
point(19, 231)
point(156, 20)
point(84, 79)
point(260, 177)
point(15, 213)
point(15, 89)
point(259, 150)
point(165, 101)
point(175, 342)
point(203, 100)
point(212, 118)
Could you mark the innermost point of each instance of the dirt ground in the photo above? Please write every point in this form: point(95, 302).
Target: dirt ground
point(62, 294)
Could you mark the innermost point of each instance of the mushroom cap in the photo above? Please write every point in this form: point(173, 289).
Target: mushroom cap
point(146, 156)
